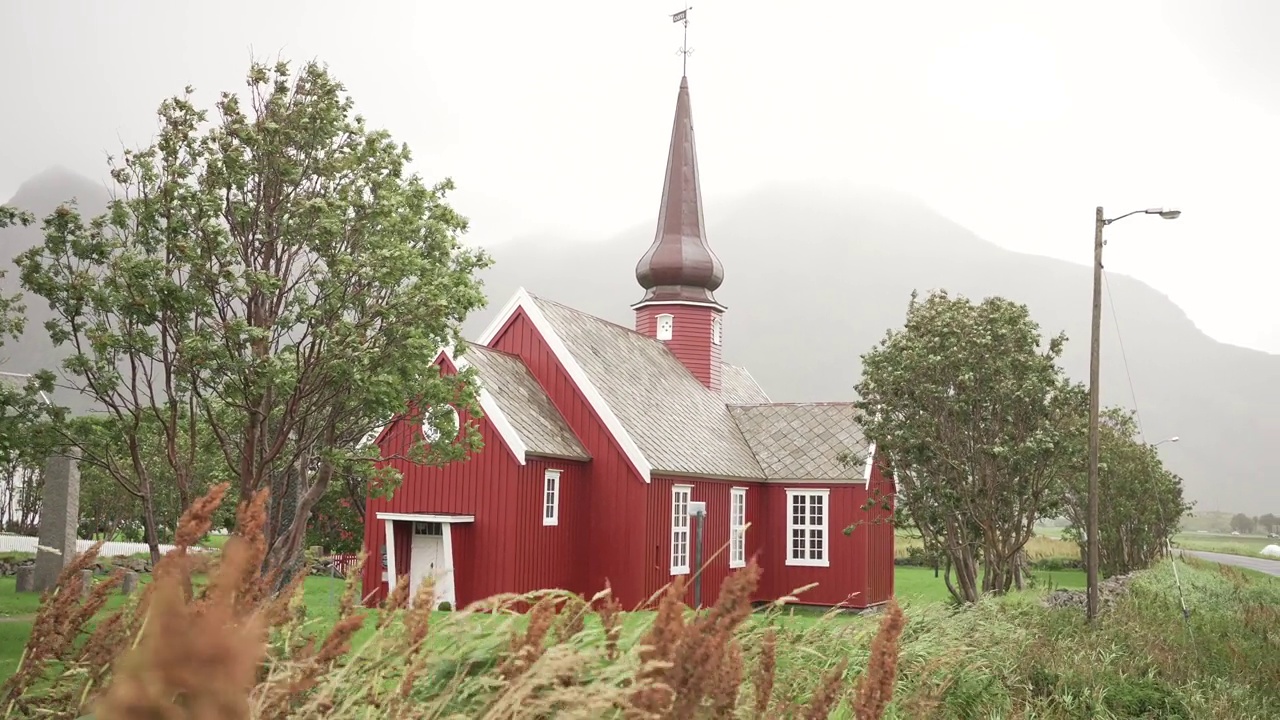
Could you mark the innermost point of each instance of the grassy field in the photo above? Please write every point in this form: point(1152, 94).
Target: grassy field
point(913, 586)
point(1249, 545)
point(1001, 658)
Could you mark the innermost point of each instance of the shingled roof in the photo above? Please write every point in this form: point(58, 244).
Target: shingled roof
point(525, 404)
point(803, 441)
point(678, 423)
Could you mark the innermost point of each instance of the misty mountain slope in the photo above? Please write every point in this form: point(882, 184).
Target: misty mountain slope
point(812, 281)
point(40, 196)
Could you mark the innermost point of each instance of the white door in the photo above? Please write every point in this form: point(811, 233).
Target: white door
point(427, 559)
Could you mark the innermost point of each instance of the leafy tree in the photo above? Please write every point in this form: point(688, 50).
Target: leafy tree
point(25, 407)
point(1140, 503)
point(275, 275)
point(1269, 522)
point(974, 415)
point(1243, 524)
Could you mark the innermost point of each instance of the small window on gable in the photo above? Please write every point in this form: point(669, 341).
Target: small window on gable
point(437, 419)
point(666, 326)
point(716, 324)
point(551, 498)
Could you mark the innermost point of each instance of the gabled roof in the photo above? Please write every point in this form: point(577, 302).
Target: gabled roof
point(666, 421)
point(804, 441)
point(738, 387)
point(679, 424)
point(541, 428)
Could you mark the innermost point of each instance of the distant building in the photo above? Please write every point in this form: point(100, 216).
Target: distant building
point(600, 440)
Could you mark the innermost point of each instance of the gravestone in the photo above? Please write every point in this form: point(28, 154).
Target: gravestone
point(59, 517)
point(129, 583)
point(86, 584)
point(26, 578)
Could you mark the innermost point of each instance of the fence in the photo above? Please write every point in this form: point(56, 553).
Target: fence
point(27, 544)
point(342, 563)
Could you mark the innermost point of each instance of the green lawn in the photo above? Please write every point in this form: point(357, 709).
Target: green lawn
point(1249, 545)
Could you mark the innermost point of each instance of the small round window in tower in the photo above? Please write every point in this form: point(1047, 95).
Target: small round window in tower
point(440, 421)
point(715, 330)
point(666, 325)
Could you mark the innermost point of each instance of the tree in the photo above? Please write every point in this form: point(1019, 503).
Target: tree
point(25, 408)
point(276, 276)
point(974, 417)
point(1140, 503)
point(1269, 522)
point(1243, 524)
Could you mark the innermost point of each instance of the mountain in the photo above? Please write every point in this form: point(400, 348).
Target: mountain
point(40, 196)
point(813, 279)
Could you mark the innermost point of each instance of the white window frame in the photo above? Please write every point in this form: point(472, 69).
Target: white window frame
point(551, 498)
point(824, 559)
point(681, 526)
point(717, 329)
point(666, 333)
point(737, 527)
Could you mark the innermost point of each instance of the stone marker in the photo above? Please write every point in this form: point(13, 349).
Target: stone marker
point(26, 578)
point(59, 517)
point(129, 583)
point(86, 583)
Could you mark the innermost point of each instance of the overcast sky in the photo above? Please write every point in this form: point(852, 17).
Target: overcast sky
point(1012, 118)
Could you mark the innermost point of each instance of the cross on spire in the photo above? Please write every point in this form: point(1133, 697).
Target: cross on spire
point(685, 50)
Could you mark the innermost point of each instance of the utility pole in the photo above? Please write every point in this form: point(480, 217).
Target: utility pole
point(1095, 356)
point(1092, 538)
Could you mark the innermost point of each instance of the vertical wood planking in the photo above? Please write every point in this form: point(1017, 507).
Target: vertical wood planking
point(506, 548)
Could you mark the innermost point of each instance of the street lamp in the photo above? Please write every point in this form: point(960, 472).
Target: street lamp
point(1173, 439)
point(1091, 538)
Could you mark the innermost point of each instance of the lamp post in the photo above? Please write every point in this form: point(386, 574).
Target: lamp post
point(1091, 537)
point(1173, 439)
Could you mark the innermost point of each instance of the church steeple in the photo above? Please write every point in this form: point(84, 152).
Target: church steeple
point(679, 272)
point(680, 265)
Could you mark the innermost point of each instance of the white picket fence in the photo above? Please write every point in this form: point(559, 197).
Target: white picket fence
point(25, 544)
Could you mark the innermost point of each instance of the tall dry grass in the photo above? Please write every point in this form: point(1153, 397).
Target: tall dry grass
point(230, 650)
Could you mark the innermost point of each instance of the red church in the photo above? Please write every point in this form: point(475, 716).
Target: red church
point(608, 451)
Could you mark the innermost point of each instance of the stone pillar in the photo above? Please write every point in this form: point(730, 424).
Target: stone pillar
point(26, 579)
point(59, 517)
point(129, 582)
point(86, 584)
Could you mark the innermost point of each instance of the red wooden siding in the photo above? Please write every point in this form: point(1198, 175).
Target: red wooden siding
point(880, 537)
point(507, 548)
point(690, 338)
point(614, 493)
point(845, 581)
point(715, 555)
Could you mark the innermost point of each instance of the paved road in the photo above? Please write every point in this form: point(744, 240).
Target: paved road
point(1270, 567)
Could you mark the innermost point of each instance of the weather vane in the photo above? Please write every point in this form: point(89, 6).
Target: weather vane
point(685, 50)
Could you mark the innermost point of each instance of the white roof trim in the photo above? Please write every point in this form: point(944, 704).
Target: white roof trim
point(522, 300)
point(494, 413)
point(871, 459)
point(426, 517)
point(690, 303)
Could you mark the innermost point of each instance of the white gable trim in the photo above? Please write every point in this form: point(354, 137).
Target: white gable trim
point(871, 461)
point(494, 413)
point(522, 300)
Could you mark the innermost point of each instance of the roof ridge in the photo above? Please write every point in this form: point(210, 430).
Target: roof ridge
point(570, 308)
point(496, 351)
point(825, 403)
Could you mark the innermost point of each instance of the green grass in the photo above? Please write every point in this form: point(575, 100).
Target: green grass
point(1249, 545)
